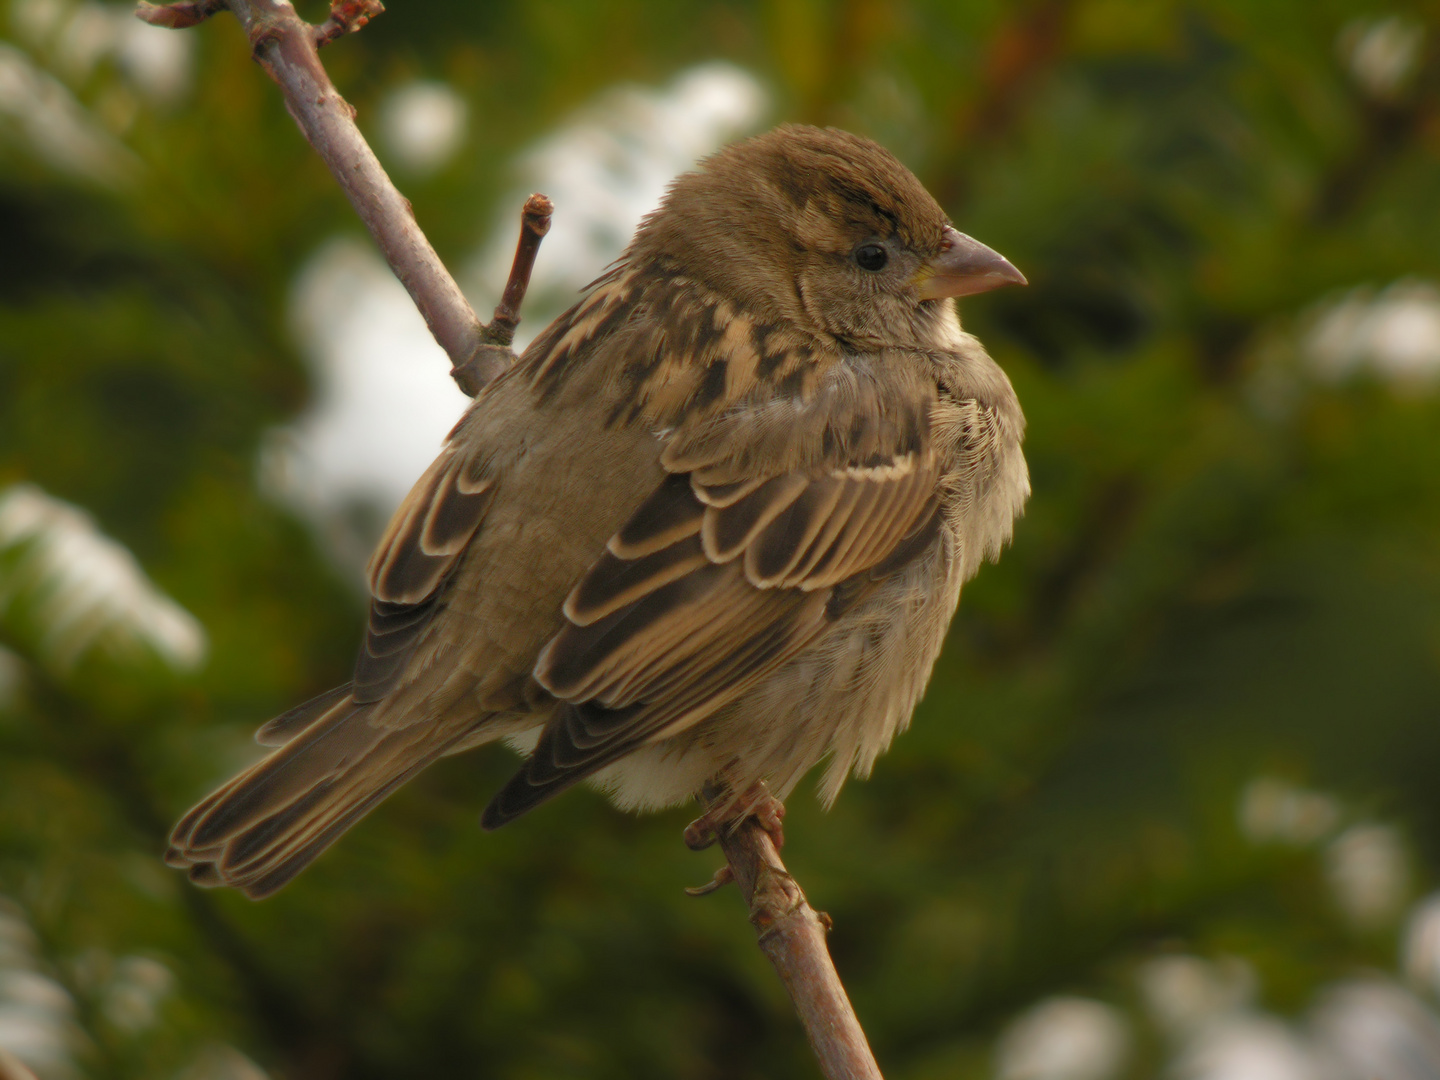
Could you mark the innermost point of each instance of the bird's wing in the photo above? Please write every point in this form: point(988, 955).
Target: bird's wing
point(730, 568)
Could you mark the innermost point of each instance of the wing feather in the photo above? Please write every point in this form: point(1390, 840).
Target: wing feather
point(730, 528)
point(658, 640)
point(665, 517)
point(615, 583)
point(431, 527)
point(785, 541)
point(421, 546)
point(585, 737)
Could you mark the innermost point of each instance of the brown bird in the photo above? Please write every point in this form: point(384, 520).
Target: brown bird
point(708, 531)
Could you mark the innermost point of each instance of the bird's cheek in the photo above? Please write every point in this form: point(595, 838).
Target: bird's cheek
point(811, 295)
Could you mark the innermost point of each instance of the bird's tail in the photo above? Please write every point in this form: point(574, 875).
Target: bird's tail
point(333, 765)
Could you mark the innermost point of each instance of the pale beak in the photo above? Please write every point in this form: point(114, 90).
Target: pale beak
point(965, 267)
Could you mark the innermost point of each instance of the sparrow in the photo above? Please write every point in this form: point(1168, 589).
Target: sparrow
point(708, 531)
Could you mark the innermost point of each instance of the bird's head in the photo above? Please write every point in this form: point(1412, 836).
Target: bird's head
point(822, 229)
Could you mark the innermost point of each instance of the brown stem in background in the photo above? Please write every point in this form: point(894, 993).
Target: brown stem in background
point(1389, 126)
point(12, 1068)
point(792, 935)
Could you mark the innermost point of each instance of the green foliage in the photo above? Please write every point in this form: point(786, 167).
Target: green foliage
point(1228, 570)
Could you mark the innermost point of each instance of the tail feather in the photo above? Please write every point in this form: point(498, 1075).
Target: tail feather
point(289, 774)
point(267, 824)
point(287, 725)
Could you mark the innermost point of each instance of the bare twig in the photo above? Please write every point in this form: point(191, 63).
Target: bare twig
point(493, 354)
point(792, 935)
point(534, 224)
point(285, 45)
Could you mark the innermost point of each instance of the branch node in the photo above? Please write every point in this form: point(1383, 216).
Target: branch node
point(483, 364)
point(178, 16)
point(346, 16)
point(265, 32)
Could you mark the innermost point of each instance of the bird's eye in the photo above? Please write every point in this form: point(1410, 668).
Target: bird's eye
point(871, 257)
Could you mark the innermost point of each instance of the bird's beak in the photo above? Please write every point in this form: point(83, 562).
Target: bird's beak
point(965, 267)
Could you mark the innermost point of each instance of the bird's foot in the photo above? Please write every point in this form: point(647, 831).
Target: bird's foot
point(727, 814)
point(769, 812)
point(757, 802)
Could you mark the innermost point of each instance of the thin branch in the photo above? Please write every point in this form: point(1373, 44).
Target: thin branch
point(285, 46)
point(534, 224)
point(792, 935)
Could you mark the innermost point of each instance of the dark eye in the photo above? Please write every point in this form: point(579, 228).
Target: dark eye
point(871, 257)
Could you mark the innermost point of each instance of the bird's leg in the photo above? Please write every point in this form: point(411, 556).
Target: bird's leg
point(726, 813)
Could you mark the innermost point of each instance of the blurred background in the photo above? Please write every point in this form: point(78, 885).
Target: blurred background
point(1172, 804)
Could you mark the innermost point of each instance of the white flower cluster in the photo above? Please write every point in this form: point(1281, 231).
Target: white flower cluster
point(81, 591)
point(1372, 1026)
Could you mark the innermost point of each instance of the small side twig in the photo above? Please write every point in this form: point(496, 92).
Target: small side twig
point(534, 224)
point(346, 16)
point(792, 935)
point(493, 354)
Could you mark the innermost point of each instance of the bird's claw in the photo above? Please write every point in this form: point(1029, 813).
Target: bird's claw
point(769, 814)
point(724, 876)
